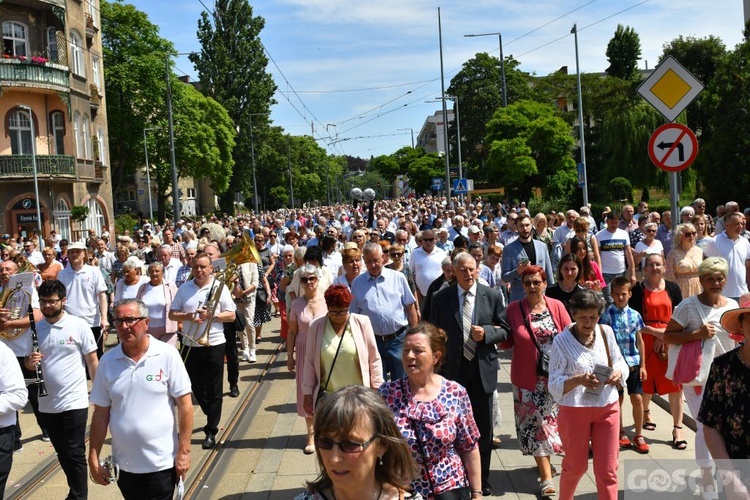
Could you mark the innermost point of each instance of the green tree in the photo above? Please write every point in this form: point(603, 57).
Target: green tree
point(623, 52)
point(530, 146)
point(725, 155)
point(422, 170)
point(232, 70)
point(134, 77)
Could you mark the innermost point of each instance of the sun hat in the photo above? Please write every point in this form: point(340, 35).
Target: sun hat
point(730, 321)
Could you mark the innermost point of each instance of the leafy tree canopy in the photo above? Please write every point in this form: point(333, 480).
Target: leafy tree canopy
point(623, 52)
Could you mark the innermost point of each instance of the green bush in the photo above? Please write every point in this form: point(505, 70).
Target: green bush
point(125, 222)
point(621, 189)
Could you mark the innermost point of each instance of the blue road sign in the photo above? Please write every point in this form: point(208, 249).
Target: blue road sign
point(581, 180)
point(437, 183)
point(459, 186)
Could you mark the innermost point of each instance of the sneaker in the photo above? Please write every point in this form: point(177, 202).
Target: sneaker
point(246, 355)
point(45, 436)
point(624, 440)
point(639, 443)
point(251, 356)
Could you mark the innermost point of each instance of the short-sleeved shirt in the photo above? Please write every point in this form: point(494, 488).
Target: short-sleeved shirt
point(190, 297)
point(141, 397)
point(612, 250)
point(626, 323)
point(83, 289)
point(63, 345)
point(737, 253)
point(724, 405)
point(691, 314)
point(382, 299)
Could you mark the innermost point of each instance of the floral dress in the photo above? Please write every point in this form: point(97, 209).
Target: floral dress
point(445, 427)
point(725, 407)
point(682, 268)
point(536, 411)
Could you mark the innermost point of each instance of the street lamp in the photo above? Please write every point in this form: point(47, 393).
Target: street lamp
point(458, 137)
point(502, 62)
point(36, 177)
point(175, 180)
point(448, 198)
point(367, 195)
point(412, 134)
point(580, 125)
point(148, 172)
point(252, 158)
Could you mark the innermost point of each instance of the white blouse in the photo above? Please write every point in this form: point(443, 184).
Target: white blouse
point(569, 358)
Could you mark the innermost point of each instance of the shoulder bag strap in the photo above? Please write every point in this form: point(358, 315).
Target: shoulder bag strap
point(606, 346)
point(528, 326)
point(341, 341)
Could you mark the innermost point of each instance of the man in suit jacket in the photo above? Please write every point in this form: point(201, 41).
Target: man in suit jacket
point(473, 330)
point(523, 252)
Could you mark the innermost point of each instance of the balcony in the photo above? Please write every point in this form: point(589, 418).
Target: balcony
point(21, 166)
point(15, 73)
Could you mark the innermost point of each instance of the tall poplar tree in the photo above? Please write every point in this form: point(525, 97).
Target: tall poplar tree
point(623, 52)
point(232, 70)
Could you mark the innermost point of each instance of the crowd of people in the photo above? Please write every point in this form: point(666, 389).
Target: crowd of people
point(400, 315)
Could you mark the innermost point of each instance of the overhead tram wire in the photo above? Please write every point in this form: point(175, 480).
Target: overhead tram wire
point(548, 23)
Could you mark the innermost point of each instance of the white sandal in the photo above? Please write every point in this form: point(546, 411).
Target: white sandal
point(548, 489)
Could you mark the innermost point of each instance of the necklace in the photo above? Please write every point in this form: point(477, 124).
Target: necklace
point(589, 343)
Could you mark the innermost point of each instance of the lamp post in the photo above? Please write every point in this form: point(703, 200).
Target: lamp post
point(175, 179)
point(448, 199)
point(367, 195)
point(36, 176)
point(580, 124)
point(502, 63)
point(412, 134)
point(252, 158)
point(148, 172)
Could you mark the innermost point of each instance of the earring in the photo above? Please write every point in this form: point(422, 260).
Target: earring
point(380, 460)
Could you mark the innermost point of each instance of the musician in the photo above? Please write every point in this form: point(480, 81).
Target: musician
point(12, 398)
point(205, 364)
point(21, 345)
point(86, 293)
point(140, 383)
point(66, 346)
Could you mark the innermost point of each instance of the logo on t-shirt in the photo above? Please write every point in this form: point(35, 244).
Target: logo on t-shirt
point(68, 341)
point(612, 245)
point(156, 378)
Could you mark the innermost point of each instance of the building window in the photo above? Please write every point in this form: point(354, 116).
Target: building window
point(77, 134)
point(92, 9)
point(130, 195)
point(15, 39)
point(100, 143)
point(62, 219)
point(86, 137)
point(19, 129)
point(57, 124)
point(95, 72)
point(191, 193)
point(95, 219)
point(52, 44)
point(76, 54)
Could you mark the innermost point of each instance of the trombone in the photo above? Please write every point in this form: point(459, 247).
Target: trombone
point(198, 333)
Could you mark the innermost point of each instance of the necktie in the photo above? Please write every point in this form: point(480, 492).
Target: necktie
point(470, 345)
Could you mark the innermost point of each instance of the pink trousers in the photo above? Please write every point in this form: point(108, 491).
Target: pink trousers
point(600, 425)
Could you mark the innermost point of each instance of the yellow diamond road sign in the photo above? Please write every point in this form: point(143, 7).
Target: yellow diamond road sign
point(670, 88)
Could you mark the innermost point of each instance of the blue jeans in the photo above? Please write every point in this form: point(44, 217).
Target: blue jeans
point(390, 356)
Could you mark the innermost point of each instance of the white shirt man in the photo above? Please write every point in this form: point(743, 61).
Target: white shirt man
point(426, 262)
point(12, 398)
point(141, 380)
point(736, 250)
point(66, 349)
point(563, 233)
point(171, 265)
point(33, 255)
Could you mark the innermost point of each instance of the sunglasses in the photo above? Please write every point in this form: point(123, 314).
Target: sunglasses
point(345, 446)
point(342, 312)
point(533, 283)
point(396, 254)
point(428, 239)
point(689, 233)
point(308, 279)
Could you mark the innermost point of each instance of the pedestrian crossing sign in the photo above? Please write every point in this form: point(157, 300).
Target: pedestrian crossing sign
point(459, 186)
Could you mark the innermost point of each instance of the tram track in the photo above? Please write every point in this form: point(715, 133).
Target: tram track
point(32, 483)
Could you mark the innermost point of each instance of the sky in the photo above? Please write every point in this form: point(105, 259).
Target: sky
point(359, 71)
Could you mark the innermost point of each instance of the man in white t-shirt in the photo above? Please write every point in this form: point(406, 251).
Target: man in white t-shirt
point(141, 380)
point(426, 263)
point(204, 363)
point(12, 398)
point(615, 252)
point(171, 265)
point(66, 347)
point(86, 293)
point(33, 255)
point(736, 250)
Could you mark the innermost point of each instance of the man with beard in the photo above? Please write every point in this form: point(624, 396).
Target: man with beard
point(523, 252)
point(65, 347)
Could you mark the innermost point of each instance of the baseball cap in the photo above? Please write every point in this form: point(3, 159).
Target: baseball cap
point(77, 245)
point(474, 229)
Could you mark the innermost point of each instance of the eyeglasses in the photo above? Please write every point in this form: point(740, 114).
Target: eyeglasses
point(345, 446)
point(650, 231)
point(533, 283)
point(308, 279)
point(396, 254)
point(689, 233)
point(428, 239)
point(340, 312)
point(48, 302)
point(127, 321)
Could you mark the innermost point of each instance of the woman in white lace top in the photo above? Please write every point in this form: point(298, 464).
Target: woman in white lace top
point(587, 402)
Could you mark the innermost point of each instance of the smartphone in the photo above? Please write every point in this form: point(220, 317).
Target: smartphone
point(524, 260)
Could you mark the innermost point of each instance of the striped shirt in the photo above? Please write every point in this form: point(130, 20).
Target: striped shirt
point(626, 323)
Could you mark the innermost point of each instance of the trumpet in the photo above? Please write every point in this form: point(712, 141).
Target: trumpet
point(236, 256)
point(41, 387)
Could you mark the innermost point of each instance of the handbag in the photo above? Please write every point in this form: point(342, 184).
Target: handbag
point(322, 393)
point(685, 363)
point(461, 493)
point(542, 359)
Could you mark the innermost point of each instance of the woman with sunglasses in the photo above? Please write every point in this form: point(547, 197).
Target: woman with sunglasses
point(304, 309)
point(340, 351)
point(355, 431)
point(62, 255)
point(51, 266)
point(435, 416)
point(648, 245)
point(683, 260)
